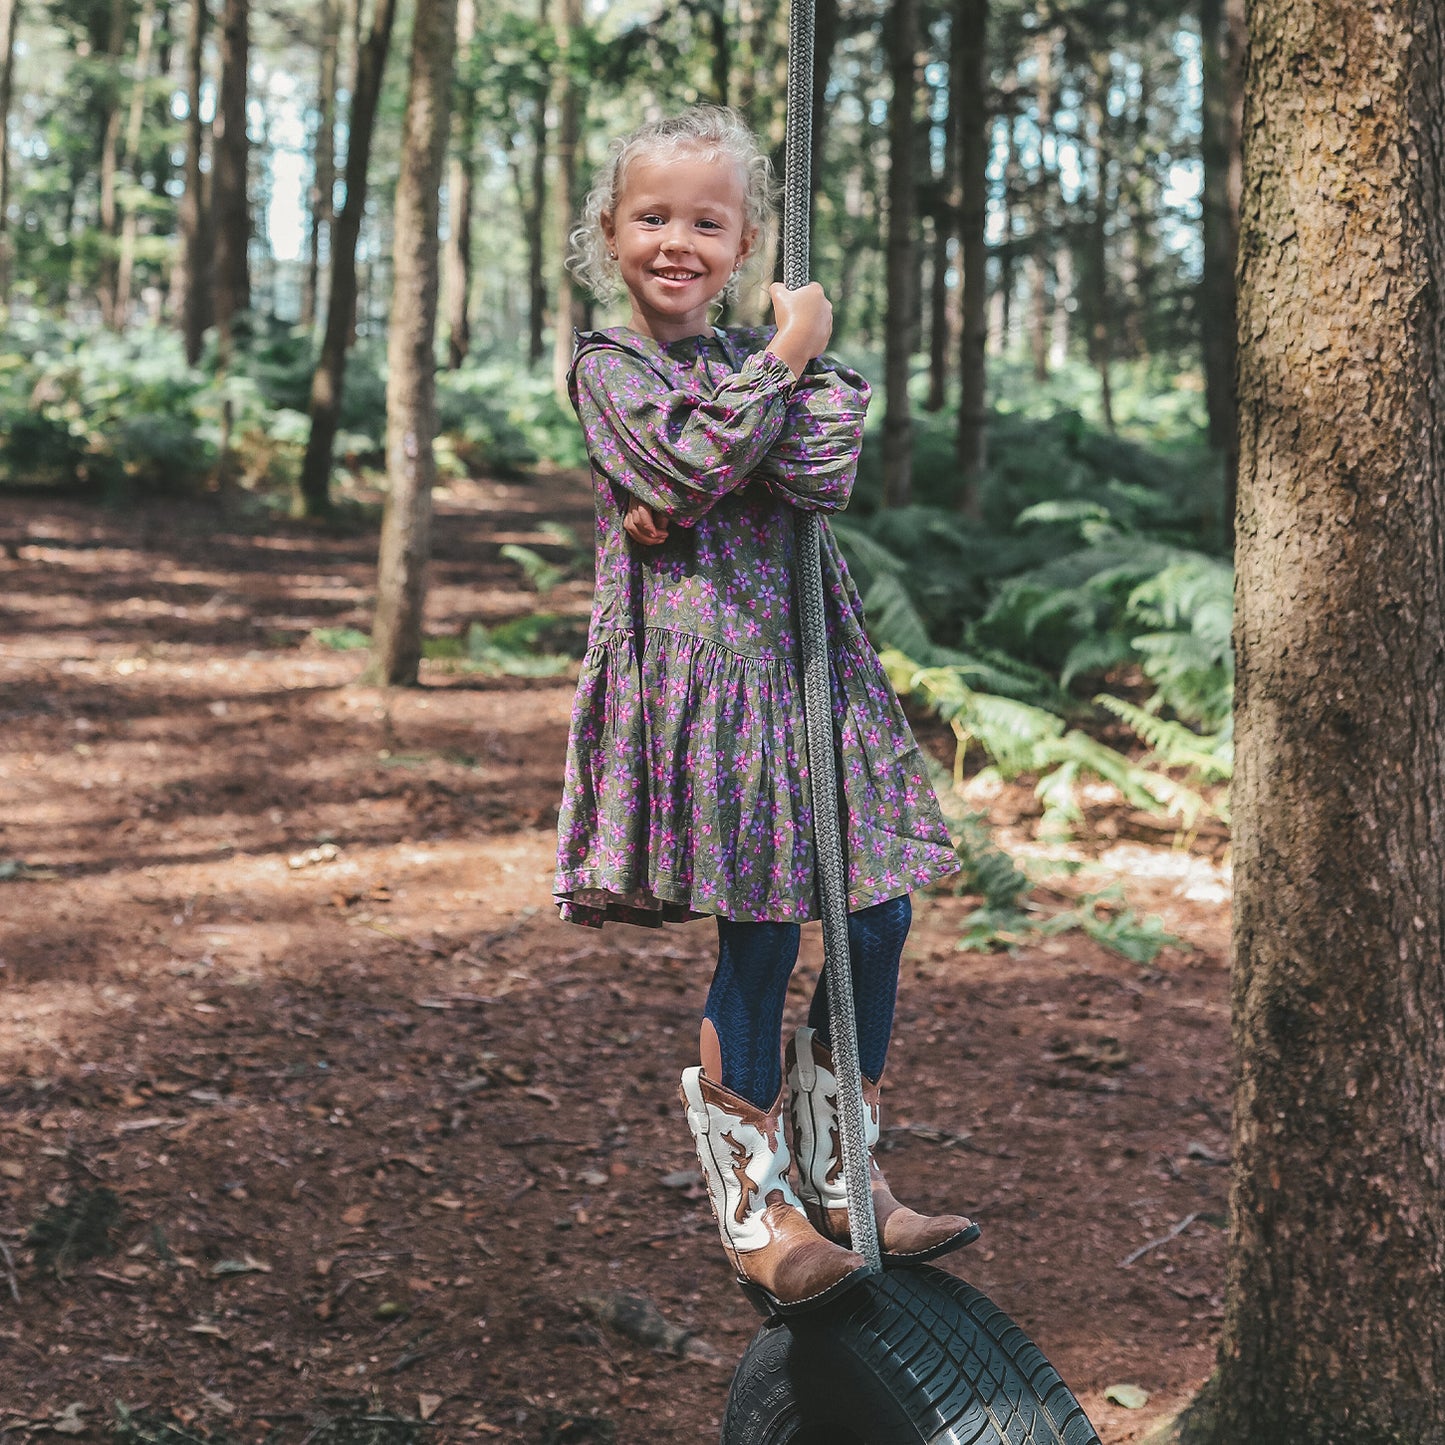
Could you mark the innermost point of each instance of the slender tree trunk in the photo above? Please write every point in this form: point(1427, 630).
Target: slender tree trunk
point(1063, 297)
point(130, 225)
point(231, 209)
point(1041, 220)
point(969, 68)
point(193, 275)
point(1334, 1330)
point(9, 23)
point(323, 157)
point(901, 340)
point(411, 349)
point(720, 51)
point(1221, 24)
point(567, 20)
point(945, 230)
point(1101, 329)
point(535, 222)
point(459, 199)
point(110, 134)
point(314, 489)
point(825, 42)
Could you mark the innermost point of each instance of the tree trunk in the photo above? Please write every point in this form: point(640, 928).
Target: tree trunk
point(825, 42)
point(411, 350)
point(1221, 25)
point(1101, 328)
point(193, 275)
point(720, 51)
point(901, 339)
point(568, 18)
point(945, 230)
point(535, 223)
point(110, 129)
point(969, 69)
point(1333, 1327)
point(230, 207)
point(9, 22)
point(314, 489)
point(130, 225)
point(1041, 220)
point(323, 157)
point(459, 199)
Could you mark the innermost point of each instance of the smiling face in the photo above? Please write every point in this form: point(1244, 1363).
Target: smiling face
point(679, 231)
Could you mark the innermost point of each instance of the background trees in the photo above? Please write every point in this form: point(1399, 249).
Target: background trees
point(197, 154)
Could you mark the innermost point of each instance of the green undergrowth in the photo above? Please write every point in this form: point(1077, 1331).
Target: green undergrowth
point(540, 644)
point(118, 415)
point(1076, 633)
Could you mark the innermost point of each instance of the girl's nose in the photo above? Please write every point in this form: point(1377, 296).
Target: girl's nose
point(675, 238)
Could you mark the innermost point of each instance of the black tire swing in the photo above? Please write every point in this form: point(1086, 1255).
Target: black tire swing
point(910, 1356)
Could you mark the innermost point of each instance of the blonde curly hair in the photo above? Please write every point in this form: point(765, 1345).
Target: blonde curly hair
point(709, 130)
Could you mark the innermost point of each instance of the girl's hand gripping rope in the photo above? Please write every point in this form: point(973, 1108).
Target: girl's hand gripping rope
point(805, 322)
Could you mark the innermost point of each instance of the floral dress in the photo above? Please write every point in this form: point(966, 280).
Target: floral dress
point(686, 787)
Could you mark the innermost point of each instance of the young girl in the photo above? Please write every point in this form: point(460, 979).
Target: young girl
point(687, 785)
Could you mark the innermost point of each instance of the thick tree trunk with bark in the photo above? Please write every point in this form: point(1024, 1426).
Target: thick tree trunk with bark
point(459, 199)
point(411, 350)
point(901, 338)
point(1221, 25)
point(9, 21)
point(969, 69)
point(231, 150)
point(192, 280)
point(567, 20)
point(1334, 1330)
point(314, 491)
point(322, 196)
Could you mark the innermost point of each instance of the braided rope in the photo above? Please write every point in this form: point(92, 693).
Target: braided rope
point(818, 690)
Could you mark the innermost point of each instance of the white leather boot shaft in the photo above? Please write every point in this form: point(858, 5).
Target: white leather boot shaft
point(813, 1100)
point(746, 1164)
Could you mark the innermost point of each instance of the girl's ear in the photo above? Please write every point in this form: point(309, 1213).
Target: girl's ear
point(608, 222)
point(745, 246)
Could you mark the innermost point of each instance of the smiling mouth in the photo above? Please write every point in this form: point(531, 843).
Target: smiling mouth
point(677, 275)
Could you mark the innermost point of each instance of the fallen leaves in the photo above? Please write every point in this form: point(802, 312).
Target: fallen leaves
point(1130, 1397)
point(247, 1264)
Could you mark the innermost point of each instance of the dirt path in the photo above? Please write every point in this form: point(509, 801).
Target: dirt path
point(281, 976)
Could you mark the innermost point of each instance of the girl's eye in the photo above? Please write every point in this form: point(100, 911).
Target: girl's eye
point(651, 220)
point(709, 225)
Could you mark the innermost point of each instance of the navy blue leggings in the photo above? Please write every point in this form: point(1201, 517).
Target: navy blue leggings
point(750, 985)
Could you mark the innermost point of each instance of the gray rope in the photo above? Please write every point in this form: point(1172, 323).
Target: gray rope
point(818, 690)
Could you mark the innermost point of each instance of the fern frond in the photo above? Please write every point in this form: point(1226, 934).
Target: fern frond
point(542, 574)
point(1097, 653)
point(1209, 756)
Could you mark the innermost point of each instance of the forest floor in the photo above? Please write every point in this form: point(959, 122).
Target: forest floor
point(291, 1027)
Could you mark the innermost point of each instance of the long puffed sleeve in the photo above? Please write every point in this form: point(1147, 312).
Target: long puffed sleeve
point(814, 461)
point(678, 452)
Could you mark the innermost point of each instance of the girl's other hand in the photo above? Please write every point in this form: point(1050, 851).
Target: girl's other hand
point(644, 525)
point(805, 322)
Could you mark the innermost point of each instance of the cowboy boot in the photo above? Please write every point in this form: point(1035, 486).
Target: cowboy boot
point(782, 1263)
point(903, 1236)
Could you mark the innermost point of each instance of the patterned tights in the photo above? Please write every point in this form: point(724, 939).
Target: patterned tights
point(750, 985)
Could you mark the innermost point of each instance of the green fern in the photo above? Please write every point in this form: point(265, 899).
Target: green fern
point(1208, 756)
point(542, 574)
